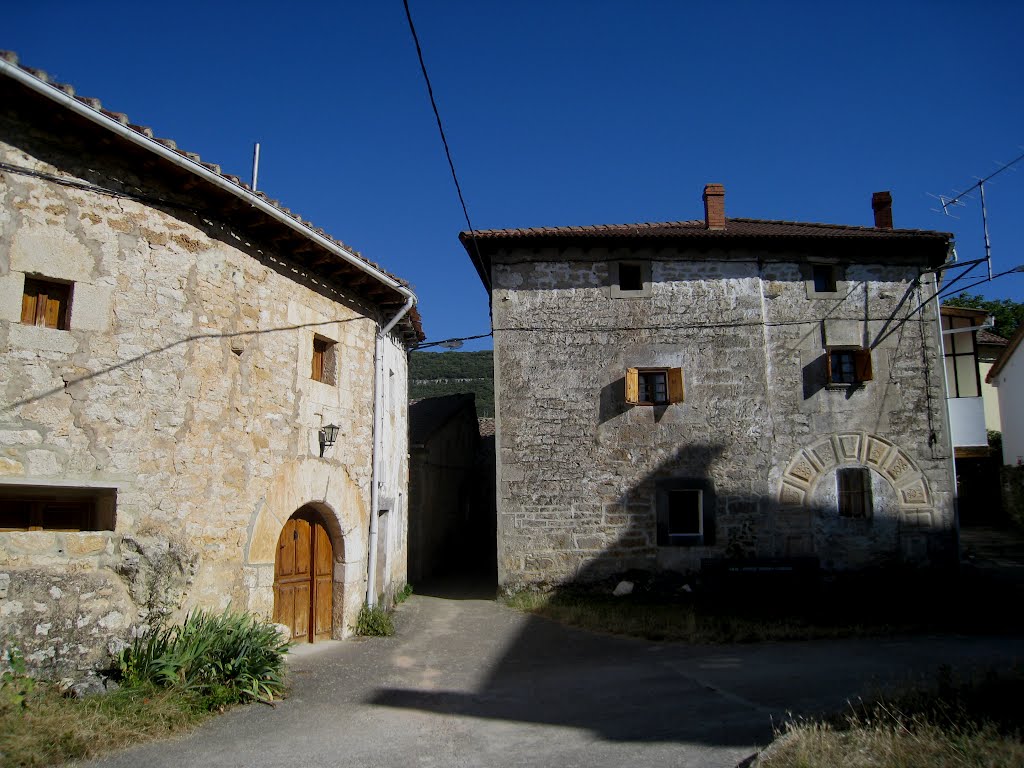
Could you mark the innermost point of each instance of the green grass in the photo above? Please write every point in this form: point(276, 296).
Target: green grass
point(171, 678)
point(973, 722)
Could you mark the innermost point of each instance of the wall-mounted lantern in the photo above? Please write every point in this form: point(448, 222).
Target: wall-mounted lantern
point(328, 436)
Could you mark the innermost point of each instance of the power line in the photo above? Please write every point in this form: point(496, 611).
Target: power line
point(443, 342)
point(440, 127)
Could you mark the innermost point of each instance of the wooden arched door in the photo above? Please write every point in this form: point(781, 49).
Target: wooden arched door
point(303, 578)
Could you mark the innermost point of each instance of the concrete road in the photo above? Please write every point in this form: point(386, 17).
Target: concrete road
point(472, 683)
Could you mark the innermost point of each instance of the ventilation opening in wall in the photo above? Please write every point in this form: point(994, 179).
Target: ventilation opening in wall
point(631, 276)
point(824, 277)
point(50, 508)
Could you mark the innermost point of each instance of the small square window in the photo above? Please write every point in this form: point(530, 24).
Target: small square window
point(324, 361)
point(45, 303)
point(685, 512)
point(848, 367)
point(630, 279)
point(853, 488)
point(824, 280)
point(824, 277)
point(654, 386)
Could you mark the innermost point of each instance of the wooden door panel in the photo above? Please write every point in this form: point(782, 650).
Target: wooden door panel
point(303, 548)
point(323, 586)
point(284, 565)
point(304, 580)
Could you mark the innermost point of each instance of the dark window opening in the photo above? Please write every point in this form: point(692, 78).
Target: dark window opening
point(685, 512)
point(848, 366)
point(324, 360)
point(854, 492)
point(36, 508)
point(45, 303)
point(631, 277)
point(824, 277)
point(653, 387)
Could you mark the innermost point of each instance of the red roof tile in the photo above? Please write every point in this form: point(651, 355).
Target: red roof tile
point(734, 227)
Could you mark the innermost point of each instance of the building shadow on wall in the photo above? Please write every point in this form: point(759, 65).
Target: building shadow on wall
point(618, 688)
point(628, 690)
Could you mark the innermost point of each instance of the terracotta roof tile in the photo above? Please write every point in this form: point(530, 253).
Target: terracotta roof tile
point(734, 227)
point(986, 336)
point(12, 58)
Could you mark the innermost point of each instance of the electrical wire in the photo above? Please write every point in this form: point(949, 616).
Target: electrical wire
point(448, 341)
point(440, 128)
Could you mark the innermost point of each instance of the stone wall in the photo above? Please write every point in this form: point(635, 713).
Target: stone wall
point(184, 384)
point(579, 469)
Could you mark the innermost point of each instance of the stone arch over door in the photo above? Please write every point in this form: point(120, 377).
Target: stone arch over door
point(330, 492)
point(910, 492)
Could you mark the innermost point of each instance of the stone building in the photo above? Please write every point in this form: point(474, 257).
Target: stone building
point(177, 355)
point(725, 388)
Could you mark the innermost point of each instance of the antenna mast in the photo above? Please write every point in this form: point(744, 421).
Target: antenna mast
point(957, 200)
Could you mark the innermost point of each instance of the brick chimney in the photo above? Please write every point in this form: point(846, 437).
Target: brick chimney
point(714, 206)
point(881, 204)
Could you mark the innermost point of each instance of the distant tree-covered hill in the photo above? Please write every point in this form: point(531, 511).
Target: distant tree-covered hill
point(432, 374)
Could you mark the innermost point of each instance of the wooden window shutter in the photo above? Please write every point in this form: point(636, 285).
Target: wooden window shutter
point(632, 386)
point(317, 373)
point(53, 314)
point(828, 366)
point(28, 305)
point(676, 390)
point(862, 365)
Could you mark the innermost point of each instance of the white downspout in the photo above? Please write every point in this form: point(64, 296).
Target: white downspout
point(378, 446)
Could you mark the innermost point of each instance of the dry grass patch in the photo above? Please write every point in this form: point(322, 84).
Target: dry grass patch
point(974, 722)
point(43, 727)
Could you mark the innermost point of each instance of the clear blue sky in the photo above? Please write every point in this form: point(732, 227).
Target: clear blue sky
point(564, 112)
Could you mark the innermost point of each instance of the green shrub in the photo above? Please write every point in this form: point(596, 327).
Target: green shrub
point(225, 658)
point(403, 594)
point(374, 622)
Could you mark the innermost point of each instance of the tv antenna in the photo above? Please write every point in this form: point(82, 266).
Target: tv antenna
point(957, 201)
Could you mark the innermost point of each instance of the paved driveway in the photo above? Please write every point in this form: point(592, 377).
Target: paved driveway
point(472, 683)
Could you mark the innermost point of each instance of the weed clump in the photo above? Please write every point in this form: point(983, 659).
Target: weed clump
point(224, 659)
point(375, 622)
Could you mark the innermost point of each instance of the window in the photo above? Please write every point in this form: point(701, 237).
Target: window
point(324, 362)
point(962, 376)
point(854, 492)
point(630, 279)
point(654, 386)
point(45, 303)
point(824, 278)
point(685, 508)
point(34, 508)
point(848, 367)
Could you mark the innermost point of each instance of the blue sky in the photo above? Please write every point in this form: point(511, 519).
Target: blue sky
point(564, 112)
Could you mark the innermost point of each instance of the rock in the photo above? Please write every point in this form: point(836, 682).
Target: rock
point(623, 588)
point(284, 631)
